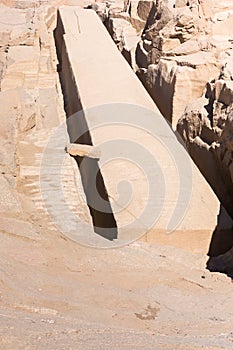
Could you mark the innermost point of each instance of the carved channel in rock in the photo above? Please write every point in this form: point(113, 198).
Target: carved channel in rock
point(93, 183)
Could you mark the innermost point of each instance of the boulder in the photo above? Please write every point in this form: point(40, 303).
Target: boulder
point(172, 79)
point(144, 8)
point(224, 91)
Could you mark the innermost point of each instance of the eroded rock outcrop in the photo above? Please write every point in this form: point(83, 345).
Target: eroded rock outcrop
point(178, 46)
point(190, 49)
point(31, 109)
point(207, 129)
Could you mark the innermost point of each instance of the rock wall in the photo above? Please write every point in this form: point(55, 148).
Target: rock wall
point(31, 111)
point(207, 129)
point(175, 47)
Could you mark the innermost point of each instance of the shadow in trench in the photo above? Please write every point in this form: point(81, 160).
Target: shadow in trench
point(221, 246)
point(97, 198)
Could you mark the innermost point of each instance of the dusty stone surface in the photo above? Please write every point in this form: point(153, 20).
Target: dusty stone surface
point(64, 295)
point(32, 109)
point(56, 294)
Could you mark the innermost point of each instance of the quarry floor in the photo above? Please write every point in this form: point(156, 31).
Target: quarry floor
point(56, 294)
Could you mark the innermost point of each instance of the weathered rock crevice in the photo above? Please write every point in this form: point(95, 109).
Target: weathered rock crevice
point(207, 128)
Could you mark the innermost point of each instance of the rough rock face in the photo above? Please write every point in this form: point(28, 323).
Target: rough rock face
point(125, 21)
point(207, 129)
point(179, 46)
point(31, 108)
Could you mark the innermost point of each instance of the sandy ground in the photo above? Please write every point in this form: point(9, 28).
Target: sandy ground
point(56, 294)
